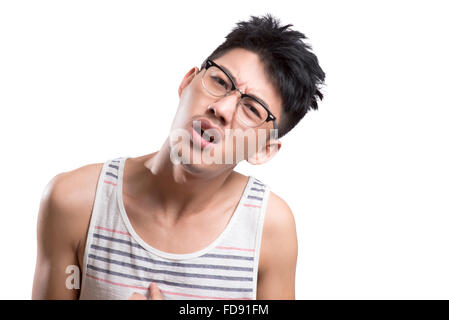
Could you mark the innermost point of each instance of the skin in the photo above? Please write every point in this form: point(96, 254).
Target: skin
point(188, 217)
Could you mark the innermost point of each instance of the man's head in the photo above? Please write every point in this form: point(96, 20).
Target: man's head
point(262, 62)
point(289, 64)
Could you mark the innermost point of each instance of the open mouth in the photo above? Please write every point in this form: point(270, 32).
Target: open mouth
point(203, 133)
point(205, 136)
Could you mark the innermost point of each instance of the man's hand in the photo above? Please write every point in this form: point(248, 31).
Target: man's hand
point(155, 294)
point(137, 296)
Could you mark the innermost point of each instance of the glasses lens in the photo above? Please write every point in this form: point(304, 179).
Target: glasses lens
point(251, 112)
point(216, 82)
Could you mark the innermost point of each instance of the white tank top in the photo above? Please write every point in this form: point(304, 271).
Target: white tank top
point(117, 262)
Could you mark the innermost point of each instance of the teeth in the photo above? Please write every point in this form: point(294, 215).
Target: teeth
point(198, 130)
point(207, 137)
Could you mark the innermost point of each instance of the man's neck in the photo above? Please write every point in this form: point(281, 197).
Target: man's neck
point(175, 191)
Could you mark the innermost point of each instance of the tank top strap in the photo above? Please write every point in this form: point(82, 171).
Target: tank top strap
point(105, 209)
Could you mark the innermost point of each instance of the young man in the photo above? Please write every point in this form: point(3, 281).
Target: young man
point(164, 226)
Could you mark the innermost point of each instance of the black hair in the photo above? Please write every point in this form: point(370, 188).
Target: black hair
point(288, 61)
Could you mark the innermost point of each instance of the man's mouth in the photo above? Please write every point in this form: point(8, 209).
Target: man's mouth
point(203, 133)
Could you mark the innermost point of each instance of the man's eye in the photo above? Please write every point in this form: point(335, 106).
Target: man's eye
point(253, 110)
point(220, 81)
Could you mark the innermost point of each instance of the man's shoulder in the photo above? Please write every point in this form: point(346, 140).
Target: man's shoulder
point(73, 189)
point(67, 201)
point(279, 239)
point(279, 216)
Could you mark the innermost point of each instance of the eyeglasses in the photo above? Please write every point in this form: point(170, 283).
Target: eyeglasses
point(250, 111)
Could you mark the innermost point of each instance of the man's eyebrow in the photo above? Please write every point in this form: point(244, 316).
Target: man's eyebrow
point(229, 73)
point(251, 95)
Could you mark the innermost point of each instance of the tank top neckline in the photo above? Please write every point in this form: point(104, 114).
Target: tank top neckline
point(164, 254)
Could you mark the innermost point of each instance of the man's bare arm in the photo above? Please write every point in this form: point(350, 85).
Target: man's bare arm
point(56, 249)
point(279, 251)
point(63, 221)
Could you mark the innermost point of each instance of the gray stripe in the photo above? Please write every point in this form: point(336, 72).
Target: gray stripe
point(254, 197)
point(115, 161)
point(169, 283)
point(113, 166)
point(111, 174)
point(117, 240)
point(260, 184)
point(255, 189)
point(208, 255)
point(173, 273)
point(174, 264)
point(226, 256)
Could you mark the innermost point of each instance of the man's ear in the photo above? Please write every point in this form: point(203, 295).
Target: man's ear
point(187, 79)
point(266, 153)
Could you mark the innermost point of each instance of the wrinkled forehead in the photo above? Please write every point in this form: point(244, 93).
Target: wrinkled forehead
point(250, 76)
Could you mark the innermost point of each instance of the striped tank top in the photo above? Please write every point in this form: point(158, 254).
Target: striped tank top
point(117, 262)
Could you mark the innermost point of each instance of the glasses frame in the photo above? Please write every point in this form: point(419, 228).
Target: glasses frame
point(209, 63)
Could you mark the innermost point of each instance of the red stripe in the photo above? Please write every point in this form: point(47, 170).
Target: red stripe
point(164, 291)
point(251, 205)
point(234, 248)
point(117, 284)
point(202, 297)
point(110, 182)
point(116, 231)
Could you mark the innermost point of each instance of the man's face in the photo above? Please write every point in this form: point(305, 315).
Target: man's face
point(198, 107)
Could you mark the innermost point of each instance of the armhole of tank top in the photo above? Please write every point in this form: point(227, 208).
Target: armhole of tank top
point(93, 218)
point(258, 241)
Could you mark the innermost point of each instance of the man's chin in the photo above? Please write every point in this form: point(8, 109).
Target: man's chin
point(197, 159)
point(205, 170)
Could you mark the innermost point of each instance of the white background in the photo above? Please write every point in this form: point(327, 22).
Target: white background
point(366, 176)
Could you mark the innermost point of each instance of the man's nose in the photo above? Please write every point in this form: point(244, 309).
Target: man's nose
point(225, 107)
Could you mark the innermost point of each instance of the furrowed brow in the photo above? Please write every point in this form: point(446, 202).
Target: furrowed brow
point(251, 95)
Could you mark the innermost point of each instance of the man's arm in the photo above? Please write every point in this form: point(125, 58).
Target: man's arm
point(278, 253)
point(62, 225)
